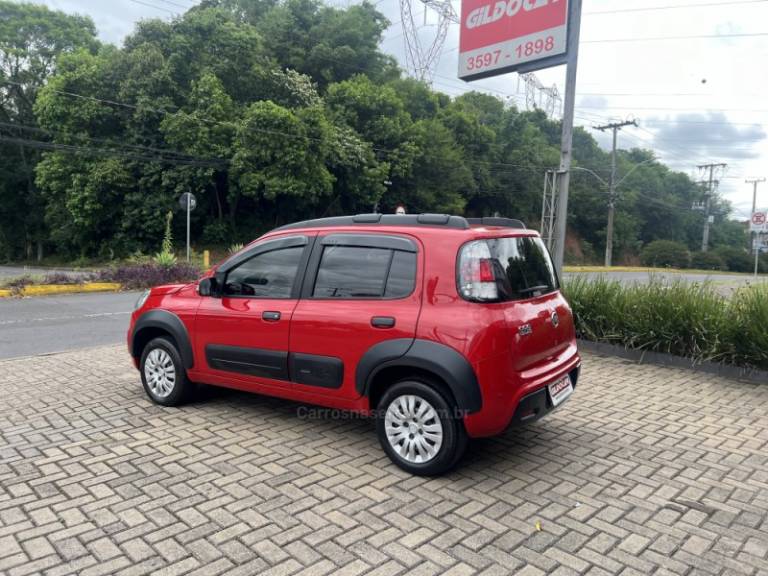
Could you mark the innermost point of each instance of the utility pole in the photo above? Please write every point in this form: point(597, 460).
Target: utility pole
point(754, 182)
point(616, 126)
point(708, 201)
point(566, 144)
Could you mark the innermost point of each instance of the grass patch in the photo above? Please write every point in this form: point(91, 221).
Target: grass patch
point(681, 318)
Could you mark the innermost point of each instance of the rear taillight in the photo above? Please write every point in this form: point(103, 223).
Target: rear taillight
point(477, 279)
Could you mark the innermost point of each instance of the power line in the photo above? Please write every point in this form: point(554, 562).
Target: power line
point(153, 6)
point(665, 38)
point(669, 109)
point(135, 147)
point(105, 152)
point(674, 7)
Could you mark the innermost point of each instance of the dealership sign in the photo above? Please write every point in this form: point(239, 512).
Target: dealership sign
point(499, 36)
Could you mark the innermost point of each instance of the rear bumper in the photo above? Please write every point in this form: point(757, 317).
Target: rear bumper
point(538, 404)
point(511, 399)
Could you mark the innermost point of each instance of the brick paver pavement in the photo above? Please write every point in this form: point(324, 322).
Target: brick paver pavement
point(646, 470)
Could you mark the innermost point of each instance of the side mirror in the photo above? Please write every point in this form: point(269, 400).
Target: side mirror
point(207, 287)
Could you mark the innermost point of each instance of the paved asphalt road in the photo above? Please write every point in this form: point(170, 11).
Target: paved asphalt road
point(32, 326)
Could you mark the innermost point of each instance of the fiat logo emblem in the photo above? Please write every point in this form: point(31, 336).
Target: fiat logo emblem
point(555, 319)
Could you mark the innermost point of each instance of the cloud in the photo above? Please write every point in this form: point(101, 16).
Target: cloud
point(707, 135)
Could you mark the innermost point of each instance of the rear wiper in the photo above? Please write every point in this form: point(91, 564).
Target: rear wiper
point(534, 289)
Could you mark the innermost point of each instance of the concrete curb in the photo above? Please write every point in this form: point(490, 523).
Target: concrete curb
point(661, 359)
point(49, 289)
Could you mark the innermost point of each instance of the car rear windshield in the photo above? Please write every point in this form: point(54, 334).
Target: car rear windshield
point(506, 269)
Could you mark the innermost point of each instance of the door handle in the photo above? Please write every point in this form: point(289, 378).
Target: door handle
point(270, 316)
point(383, 322)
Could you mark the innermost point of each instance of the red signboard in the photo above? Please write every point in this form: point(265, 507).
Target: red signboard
point(499, 36)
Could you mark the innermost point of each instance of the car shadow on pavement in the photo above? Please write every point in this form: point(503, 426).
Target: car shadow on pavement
point(515, 447)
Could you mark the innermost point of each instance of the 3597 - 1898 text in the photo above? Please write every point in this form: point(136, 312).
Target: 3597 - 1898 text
point(522, 50)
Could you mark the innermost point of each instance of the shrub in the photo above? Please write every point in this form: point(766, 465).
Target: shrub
point(60, 278)
point(17, 284)
point(707, 261)
point(166, 258)
point(235, 248)
point(148, 275)
point(736, 259)
point(685, 319)
point(749, 318)
point(665, 254)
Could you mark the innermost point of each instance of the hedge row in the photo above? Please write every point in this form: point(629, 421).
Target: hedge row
point(670, 254)
point(686, 319)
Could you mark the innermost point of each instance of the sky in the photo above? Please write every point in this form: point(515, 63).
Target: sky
point(696, 100)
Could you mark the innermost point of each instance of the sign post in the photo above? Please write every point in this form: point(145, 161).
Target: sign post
point(500, 36)
point(758, 225)
point(188, 202)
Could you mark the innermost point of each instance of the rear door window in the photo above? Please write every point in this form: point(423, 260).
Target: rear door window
point(349, 272)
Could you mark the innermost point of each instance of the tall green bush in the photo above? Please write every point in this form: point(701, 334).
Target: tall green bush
point(707, 261)
point(665, 254)
point(748, 317)
point(682, 318)
point(736, 259)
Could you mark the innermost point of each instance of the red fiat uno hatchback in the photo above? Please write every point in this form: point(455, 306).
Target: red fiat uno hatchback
point(443, 327)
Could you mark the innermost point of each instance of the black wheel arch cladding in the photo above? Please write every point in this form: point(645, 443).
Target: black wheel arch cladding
point(445, 362)
point(167, 322)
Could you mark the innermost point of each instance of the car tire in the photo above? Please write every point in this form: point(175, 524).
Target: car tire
point(162, 373)
point(420, 428)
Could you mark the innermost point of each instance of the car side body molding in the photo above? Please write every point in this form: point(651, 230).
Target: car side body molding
point(169, 322)
point(443, 361)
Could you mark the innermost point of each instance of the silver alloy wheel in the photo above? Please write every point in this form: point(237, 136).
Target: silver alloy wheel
point(413, 429)
point(160, 372)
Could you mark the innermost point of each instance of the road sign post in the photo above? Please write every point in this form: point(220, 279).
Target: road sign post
point(188, 202)
point(758, 224)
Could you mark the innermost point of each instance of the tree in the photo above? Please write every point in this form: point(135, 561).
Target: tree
point(32, 39)
point(279, 160)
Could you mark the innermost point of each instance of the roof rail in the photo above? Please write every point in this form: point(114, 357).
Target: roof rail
point(457, 222)
point(495, 221)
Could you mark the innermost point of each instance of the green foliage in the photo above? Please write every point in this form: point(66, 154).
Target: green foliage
point(235, 248)
point(665, 254)
point(748, 318)
point(685, 319)
point(166, 258)
point(707, 261)
point(736, 259)
point(271, 111)
point(32, 37)
point(167, 245)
